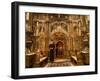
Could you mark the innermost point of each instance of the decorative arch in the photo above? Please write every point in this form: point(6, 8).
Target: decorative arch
point(59, 35)
point(58, 23)
point(59, 29)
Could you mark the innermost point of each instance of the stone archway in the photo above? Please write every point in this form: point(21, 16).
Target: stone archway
point(59, 37)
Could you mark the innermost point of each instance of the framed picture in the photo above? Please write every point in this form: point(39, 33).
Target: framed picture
point(51, 40)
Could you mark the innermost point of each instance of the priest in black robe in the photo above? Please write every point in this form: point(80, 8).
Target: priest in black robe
point(51, 52)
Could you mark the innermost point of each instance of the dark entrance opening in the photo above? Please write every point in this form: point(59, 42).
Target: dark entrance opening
point(59, 50)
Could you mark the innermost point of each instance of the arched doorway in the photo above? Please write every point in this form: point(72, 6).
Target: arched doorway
point(59, 49)
point(59, 37)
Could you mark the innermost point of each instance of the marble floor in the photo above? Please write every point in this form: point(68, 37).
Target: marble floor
point(59, 63)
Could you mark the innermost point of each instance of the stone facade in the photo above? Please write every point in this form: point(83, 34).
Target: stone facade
point(70, 32)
